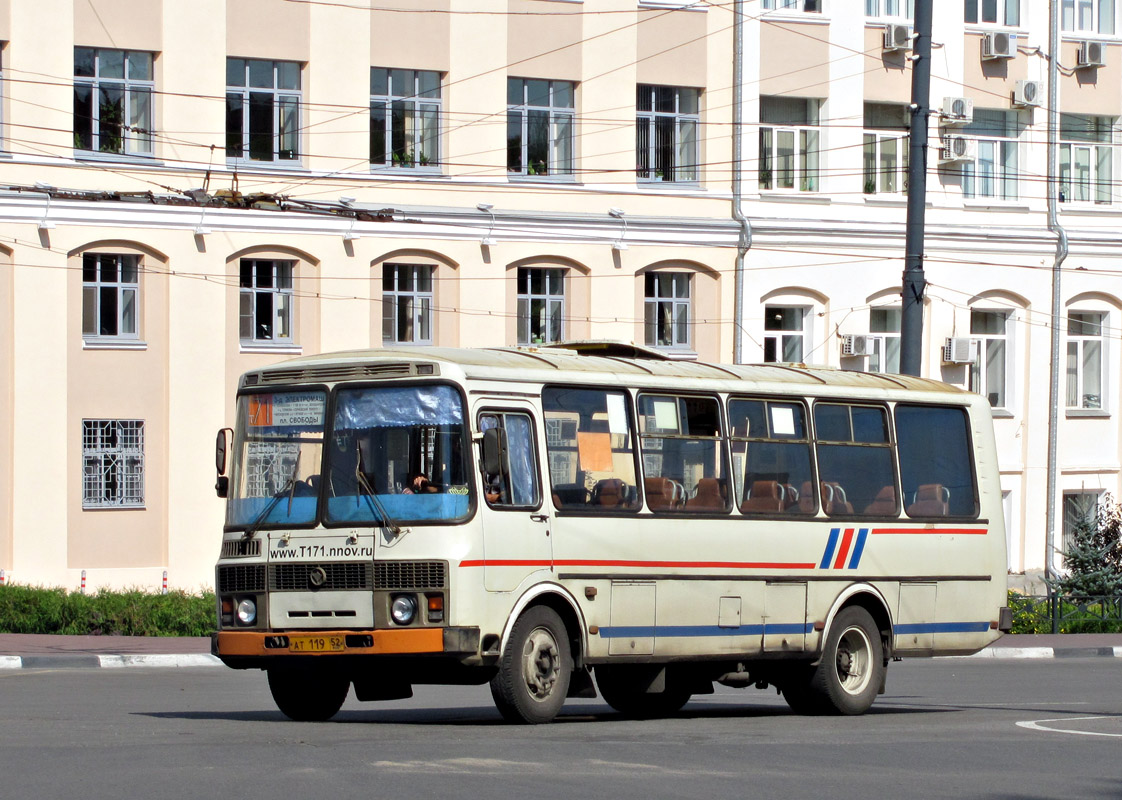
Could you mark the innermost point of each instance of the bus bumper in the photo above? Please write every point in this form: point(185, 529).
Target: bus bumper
point(237, 645)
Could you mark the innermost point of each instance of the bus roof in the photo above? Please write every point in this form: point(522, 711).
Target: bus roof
point(537, 363)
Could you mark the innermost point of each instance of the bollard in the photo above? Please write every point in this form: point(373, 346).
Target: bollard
point(3, 579)
point(83, 581)
point(165, 581)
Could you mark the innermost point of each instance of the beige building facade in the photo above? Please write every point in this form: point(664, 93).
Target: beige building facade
point(194, 190)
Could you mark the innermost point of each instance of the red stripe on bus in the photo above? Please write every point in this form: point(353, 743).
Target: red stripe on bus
point(843, 551)
point(962, 531)
point(649, 564)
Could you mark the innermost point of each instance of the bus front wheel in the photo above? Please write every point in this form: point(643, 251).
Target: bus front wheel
point(535, 669)
point(308, 695)
point(850, 673)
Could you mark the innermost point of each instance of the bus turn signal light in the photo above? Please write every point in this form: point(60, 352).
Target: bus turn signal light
point(436, 607)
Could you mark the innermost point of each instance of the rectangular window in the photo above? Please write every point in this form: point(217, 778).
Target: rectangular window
point(113, 92)
point(541, 305)
point(855, 464)
point(789, 144)
point(540, 120)
point(936, 461)
point(683, 454)
point(262, 110)
point(885, 150)
point(407, 303)
point(994, 171)
point(667, 310)
point(890, 9)
point(1079, 507)
point(266, 301)
point(591, 454)
point(666, 133)
point(1086, 347)
point(993, 12)
point(810, 6)
point(989, 373)
point(884, 333)
point(771, 457)
point(1086, 158)
point(404, 118)
point(112, 463)
point(784, 334)
point(1088, 16)
point(516, 485)
point(110, 295)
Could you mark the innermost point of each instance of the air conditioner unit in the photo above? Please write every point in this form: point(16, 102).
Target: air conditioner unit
point(958, 148)
point(897, 37)
point(1028, 93)
point(1091, 54)
point(854, 345)
point(958, 110)
point(960, 350)
point(998, 44)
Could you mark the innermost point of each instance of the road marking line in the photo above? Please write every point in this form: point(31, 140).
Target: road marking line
point(1037, 725)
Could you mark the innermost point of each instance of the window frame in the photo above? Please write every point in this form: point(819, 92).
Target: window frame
point(653, 304)
point(776, 338)
point(416, 101)
point(907, 14)
point(534, 463)
point(804, 158)
point(978, 374)
point(1081, 341)
point(254, 292)
point(792, 6)
point(423, 322)
point(278, 98)
point(993, 170)
point(806, 442)
point(558, 165)
point(1001, 13)
point(549, 301)
point(136, 141)
point(1094, 188)
point(649, 167)
point(99, 458)
point(1068, 520)
point(889, 445)
point(94, 291)
point(1073, 24)
point(882, 339)
point(646, 448)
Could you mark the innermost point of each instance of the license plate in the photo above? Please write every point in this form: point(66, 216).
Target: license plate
point(316, 644)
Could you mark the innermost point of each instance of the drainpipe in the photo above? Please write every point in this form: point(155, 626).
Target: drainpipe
point(745, 240)
point(1050, 570)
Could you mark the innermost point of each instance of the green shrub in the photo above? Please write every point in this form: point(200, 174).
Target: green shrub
point(27, 609)
point(1077, 615)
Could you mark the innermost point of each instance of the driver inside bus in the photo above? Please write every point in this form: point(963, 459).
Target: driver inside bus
point(420, 484)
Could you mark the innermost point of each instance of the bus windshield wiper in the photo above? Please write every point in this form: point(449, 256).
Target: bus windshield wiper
point(289, 489)
point(360, 478)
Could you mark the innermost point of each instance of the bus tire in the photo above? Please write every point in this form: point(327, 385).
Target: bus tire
point(800, 695)
point(535, 668)
point(308, 695)
point(851, 671)
point(619, 691)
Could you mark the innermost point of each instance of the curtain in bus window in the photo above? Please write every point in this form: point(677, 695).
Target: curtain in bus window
point(398, 407)
point(520, 452)
point(936, 461)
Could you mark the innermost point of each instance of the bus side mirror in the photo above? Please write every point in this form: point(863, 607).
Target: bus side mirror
point(494, 450)
point(222, 485)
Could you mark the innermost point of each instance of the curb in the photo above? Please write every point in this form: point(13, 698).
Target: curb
point(108, 661)
point(1046, 652)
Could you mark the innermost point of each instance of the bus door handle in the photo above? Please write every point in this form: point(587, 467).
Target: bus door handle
point(540, 517)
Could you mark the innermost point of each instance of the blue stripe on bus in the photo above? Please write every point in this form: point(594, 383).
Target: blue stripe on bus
point(694, 631)
point(942, 627)
point(828, 556)
point(862, 534)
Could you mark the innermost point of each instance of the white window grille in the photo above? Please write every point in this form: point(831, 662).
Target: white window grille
point(404, 118)
point(407, 303)
point(266, 301)
point(541, 305)
point(666, 133)
point(540, 119)
point(1086, 347)
point(113, 92)
point(668, 314)
point(110, 295)
point(262, 110)
point(112, 463)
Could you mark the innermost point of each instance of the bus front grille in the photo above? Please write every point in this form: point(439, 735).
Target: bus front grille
point(241, 548)
point(241, 578)
point(409, 574)
point(344, 576)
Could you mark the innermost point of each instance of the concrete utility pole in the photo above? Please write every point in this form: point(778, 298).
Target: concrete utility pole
point(911, 318)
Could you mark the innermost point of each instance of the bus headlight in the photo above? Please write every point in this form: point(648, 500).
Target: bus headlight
point(403, 609)
point(247, 611)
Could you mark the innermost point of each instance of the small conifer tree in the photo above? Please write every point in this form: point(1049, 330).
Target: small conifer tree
point(1094, 556)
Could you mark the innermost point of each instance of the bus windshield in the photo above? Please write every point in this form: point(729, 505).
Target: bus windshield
point(397, 452)
point(277, 458)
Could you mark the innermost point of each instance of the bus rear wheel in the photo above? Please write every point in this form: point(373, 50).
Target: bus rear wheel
point(850, 673)
point(308, 695)
point(535, 669)
point(619, 690)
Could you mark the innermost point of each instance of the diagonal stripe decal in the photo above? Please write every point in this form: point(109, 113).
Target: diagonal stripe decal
point(828, 556)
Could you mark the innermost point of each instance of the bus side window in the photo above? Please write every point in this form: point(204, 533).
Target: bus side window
point(854, 459)
point(771, 457)
point(515, 483)
point(936, 472)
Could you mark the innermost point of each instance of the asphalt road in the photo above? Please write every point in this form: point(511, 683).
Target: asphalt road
point(978, 728)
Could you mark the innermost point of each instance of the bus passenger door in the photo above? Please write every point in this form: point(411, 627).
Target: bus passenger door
point(516, 520)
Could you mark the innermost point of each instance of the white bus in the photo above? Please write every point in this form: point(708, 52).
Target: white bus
point(535, 517)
